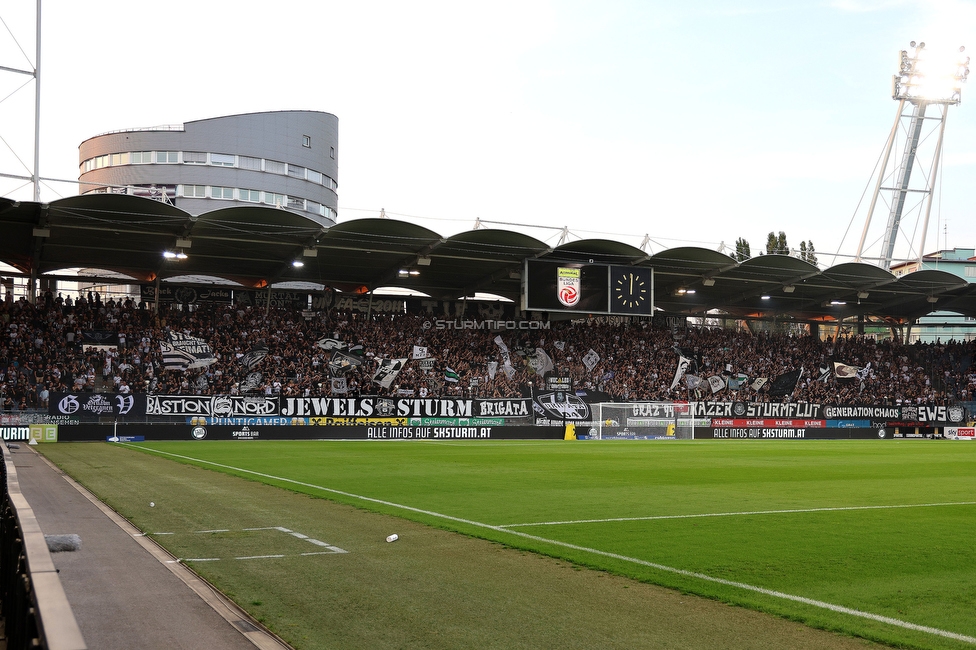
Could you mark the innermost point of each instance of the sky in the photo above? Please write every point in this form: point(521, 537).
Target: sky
point(657, 123)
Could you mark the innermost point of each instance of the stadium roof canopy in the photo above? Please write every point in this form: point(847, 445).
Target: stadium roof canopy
point(256, 246)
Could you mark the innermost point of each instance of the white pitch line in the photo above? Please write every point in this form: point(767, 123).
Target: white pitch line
point(737, 514)
point(258, 557)
point(216, 530)
point(660, 567)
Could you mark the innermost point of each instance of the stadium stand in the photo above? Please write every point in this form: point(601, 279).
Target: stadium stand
point(43, 351)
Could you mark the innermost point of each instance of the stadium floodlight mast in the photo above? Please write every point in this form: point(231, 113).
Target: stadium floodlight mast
point(35, 72)
point(925, 79)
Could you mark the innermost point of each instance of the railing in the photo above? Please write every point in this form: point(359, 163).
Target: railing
point(35, 608)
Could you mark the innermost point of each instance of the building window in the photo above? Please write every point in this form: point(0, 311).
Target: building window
point(296, 172)
point(247, 162)
point(314, 176)
point(274, 199)
point(141, 157)
point(222, 192)
point(195, 157)
point(332, 153)
point(275, 167)
point(195, 191)
point(296, 203)
point(167, 157)
point(307, 141)
point(223, 159)
point(251, 196)
point(970, 271)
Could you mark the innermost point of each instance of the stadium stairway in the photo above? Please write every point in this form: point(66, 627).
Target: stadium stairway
point(126, 591)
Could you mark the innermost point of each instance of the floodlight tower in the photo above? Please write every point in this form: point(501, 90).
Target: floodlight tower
point(923, 81)
point(35, 72)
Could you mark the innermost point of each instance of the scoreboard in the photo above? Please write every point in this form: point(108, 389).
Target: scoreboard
point(587, 288)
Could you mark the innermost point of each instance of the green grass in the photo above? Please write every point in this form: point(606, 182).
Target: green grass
point(913, 564)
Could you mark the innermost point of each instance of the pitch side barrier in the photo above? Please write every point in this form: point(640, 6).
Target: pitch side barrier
point(376, 431)
point(755, 421)
point(546, 414)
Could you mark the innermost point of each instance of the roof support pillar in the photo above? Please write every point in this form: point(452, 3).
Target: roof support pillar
point(32, 286)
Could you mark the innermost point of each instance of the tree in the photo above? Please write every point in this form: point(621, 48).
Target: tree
point(742, 250)
point(811, 254)
point(777, 245)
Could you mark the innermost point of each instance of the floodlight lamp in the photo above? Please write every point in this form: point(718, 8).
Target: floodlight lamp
point(298, 264)
point(932, 77)
point(764, 297)
point(169, 255)
point(838, 302)
point(181, 255)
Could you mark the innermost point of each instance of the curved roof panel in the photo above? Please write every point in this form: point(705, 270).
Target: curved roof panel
point(257, 246)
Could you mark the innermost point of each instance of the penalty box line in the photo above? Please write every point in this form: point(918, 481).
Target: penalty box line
point(739, 514)
point(281, 529)
point(616, 556)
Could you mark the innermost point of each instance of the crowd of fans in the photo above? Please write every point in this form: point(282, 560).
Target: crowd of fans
point(42, 352)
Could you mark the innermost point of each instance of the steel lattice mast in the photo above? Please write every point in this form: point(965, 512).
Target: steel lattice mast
point(918, 86)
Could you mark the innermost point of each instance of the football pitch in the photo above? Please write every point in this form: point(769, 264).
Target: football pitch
point(873, 539)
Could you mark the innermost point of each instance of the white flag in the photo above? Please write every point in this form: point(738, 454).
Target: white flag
point(716, 383)
point(680, 370)
point(590, 359)
point(419, 352)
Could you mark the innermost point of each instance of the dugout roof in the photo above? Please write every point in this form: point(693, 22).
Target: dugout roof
point(255, 247)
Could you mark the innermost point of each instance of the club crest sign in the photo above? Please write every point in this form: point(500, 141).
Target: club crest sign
point(568, 286)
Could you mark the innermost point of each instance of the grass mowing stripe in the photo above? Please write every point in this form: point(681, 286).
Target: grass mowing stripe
point(734, 514)
point(660, 567)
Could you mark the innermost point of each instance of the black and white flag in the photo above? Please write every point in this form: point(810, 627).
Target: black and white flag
point(539, 362)
point(683, 363)
point(255, 356)
point(590, 359)
point(785, 384)
point(388, 371)
point(184, 352)
point(341, 363)
point(251, 383)
point(331, 344)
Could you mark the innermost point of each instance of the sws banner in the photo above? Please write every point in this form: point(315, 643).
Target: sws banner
point(95, 405)
point(921, 413)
